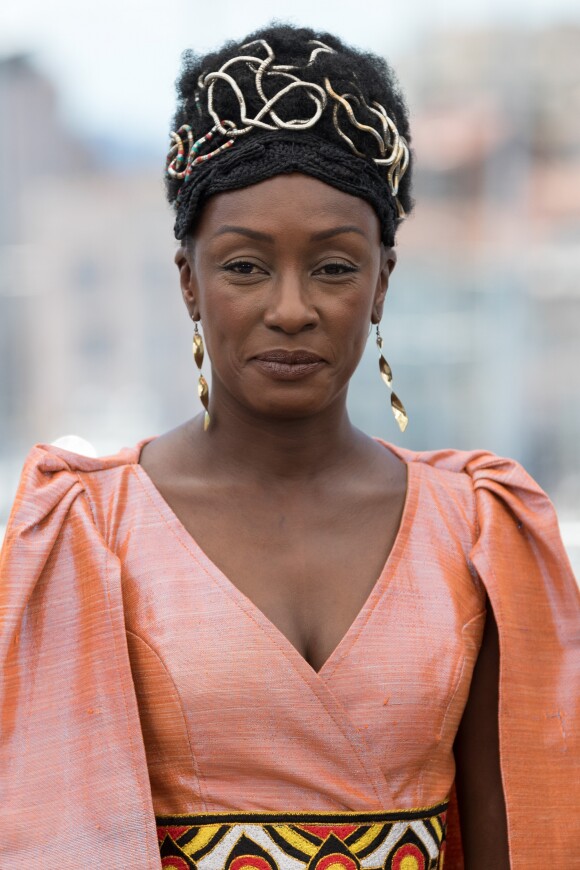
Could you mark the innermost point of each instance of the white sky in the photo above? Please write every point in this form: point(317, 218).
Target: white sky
point(115, 61)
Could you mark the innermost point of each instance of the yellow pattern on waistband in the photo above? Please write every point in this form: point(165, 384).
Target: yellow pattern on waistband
point(304, 841)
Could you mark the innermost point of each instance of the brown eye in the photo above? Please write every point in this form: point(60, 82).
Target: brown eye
point(241, 267)
point(333, 269)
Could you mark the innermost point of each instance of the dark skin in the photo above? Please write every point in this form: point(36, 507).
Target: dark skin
point(294, 264)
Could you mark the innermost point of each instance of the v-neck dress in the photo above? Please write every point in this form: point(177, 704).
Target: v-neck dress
point(152, 717)
point(235, 720)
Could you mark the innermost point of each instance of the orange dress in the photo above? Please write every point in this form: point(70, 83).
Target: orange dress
point(153, 716)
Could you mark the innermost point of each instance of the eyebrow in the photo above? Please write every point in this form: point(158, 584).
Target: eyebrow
point(245, 231)
point(336, 231)
point(266, 237)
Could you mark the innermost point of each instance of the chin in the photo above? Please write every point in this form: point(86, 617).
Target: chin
point(288, 408)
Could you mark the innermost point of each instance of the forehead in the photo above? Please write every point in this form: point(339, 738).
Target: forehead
point(288, 202)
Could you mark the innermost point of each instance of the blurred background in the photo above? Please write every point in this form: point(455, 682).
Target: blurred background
point(482, 322)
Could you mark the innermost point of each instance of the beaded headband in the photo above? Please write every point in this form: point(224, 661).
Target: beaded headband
point(387, 148)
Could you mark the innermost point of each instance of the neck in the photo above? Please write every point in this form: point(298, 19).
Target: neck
point(241, 443)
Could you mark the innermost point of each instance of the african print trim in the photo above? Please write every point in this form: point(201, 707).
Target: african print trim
point(402, 840)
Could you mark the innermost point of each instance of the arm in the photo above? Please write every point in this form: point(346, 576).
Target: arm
point(480, 795)
point(73, 772)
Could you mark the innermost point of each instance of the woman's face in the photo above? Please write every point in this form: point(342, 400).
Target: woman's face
point(286, 276)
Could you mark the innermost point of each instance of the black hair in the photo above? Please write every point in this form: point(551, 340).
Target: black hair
point(348, 69)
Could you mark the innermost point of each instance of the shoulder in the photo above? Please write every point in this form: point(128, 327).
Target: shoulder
point(509, 507)
point(53, 477)
point(480, 472)
point(443, 488)
point(518, 550)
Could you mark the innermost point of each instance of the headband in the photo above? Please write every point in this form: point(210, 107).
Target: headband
point(261, 145)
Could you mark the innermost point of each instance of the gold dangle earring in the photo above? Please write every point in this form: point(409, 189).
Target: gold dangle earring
point(387, 376)
point(202, 387)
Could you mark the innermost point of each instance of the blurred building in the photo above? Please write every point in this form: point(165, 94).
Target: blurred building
point(112, 342)
point(34, 143)
point(34, 146)
point(90, 307)
point(495, 244)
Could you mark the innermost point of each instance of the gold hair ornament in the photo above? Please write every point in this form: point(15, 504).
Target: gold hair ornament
point(262, 67)
point(184, 153)
point(393, 148)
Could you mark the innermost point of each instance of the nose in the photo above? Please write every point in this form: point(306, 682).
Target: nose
point(290, 307)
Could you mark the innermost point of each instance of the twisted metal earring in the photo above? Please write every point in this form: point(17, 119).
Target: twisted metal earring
point(387, 376)
point(202, 387)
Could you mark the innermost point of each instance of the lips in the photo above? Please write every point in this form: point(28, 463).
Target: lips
point(288, 365)
point(290, 357)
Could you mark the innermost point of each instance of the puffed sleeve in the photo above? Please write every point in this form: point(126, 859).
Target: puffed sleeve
point(74, 788)
point(520, 558)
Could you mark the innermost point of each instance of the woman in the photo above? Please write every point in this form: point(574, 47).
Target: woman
point(265, 633)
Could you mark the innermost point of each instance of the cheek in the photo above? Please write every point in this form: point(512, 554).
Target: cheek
point(353, 347)
point(349, 316)
point(229, 318)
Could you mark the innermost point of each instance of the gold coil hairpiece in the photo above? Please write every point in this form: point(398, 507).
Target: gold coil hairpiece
point(393, 148)
point(184, 154)
point(265, 67)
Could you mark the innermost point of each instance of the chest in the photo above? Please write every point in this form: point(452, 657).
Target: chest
point(210, 664)
point(308, 564)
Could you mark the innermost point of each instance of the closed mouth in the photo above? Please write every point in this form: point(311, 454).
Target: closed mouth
point(288, 365)
point(290, 357)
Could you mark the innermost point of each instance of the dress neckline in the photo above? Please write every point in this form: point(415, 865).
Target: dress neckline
point(277, 636)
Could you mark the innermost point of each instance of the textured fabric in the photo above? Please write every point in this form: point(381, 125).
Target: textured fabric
point(252, 160)
point(137, 680)
point(372, 730)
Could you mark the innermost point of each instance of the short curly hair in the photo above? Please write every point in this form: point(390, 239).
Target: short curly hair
point(347, 68)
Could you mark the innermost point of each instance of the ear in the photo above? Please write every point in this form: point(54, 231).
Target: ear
point(187, 278)
point(388, 263)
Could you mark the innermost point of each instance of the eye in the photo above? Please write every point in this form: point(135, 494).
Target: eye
point(337, 268)
point(242, 267)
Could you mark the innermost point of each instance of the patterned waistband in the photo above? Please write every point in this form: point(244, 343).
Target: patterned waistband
point(400, 840)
